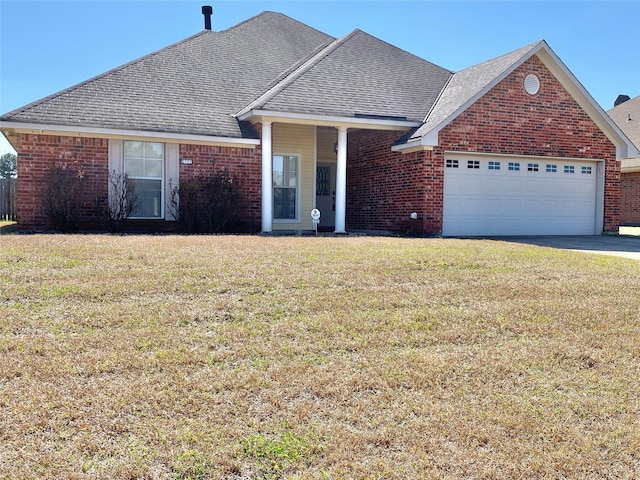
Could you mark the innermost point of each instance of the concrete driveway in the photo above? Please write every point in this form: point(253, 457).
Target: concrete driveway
point(619, 246)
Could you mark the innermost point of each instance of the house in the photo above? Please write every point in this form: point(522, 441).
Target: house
point(374, 137)
point(626, 114)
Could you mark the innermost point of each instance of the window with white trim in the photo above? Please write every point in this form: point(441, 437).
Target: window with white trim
point(533, 167)
point(475, 164)
point(569, 169)
point(144, 164)
point(452, 163)
point(586, 170)
point(285, 187)
point(494, 165)
point(552, 168)
point(514, 166)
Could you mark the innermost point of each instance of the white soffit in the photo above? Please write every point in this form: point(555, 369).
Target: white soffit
point(12, 128)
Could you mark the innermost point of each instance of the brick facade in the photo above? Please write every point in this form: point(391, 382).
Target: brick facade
point(39, 153)
point(246, 163)
point(630, 198)
point(384, 187)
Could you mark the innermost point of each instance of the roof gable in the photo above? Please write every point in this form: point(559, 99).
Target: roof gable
point(358, 75)
point(192, 87)
point(467, 85)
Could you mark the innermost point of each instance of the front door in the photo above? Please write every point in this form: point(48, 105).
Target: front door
point(326, 196)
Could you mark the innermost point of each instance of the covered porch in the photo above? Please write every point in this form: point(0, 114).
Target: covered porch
point(304, 167)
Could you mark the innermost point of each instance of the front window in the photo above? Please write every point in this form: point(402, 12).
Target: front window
point(144, 164)
point(285, 187)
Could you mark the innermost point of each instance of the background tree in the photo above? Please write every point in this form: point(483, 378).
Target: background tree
point(8, 165)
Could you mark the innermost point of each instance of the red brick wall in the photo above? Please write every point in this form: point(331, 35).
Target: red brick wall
point(384, 188)
point(246, 163)
point(38, 153)
point(630, 198)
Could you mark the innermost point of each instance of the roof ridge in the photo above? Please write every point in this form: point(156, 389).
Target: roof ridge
point(527, 48)
point(29, 106)
point(296, 73)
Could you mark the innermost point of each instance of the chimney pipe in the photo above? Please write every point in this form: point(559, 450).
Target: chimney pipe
point(207, 11)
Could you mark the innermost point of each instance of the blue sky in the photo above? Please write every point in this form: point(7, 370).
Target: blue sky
point(46, 46)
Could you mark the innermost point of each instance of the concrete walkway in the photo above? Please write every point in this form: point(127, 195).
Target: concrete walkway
point(619, 246)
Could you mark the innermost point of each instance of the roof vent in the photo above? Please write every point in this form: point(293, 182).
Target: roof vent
point(621, 99)
point(531, 84)
point(207, 11)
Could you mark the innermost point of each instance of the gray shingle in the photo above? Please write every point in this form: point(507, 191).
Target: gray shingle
point(191, 87)
point(360, 74)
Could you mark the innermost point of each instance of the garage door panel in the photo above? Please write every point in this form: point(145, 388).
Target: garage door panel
point(509, 202)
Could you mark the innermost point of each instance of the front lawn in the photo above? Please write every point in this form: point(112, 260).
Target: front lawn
point(175, 357)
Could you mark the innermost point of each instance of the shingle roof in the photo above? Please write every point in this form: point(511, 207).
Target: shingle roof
point(466, 84)
point(359, 74)
point(192, 87)
point(621, 114)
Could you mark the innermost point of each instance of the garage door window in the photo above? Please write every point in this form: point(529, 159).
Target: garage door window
point(569, 169)
point(533, 167)
point(452, 163)
point(473, 164)
point(586, 170)
point(552, 168)
point(515, 166)
point(494, 165)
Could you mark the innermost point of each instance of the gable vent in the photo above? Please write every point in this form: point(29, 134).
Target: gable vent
point(531, 84)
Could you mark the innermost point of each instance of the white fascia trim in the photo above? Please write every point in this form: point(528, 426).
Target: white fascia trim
point(328, 120)
point(630, 165)
point(410, 147)
point(95, 132)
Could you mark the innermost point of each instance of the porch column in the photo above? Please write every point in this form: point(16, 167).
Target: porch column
point(267, 181)
point(341, 181)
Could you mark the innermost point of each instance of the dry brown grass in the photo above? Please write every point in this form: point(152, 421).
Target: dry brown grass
point(366, 358)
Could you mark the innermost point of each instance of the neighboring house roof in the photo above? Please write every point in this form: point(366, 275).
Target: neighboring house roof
point(192, 87)
point(627, 117)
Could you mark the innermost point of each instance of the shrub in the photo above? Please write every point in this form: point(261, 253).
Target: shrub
point(63, 195)
point(122, 202)
point(208, 204)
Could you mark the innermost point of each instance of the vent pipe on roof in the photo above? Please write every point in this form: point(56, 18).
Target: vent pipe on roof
point(207, 11)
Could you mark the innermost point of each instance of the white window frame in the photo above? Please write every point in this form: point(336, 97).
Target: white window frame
point(161, 179)
point(298, 175)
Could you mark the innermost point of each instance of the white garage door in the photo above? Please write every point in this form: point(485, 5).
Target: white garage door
point(494, 196)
